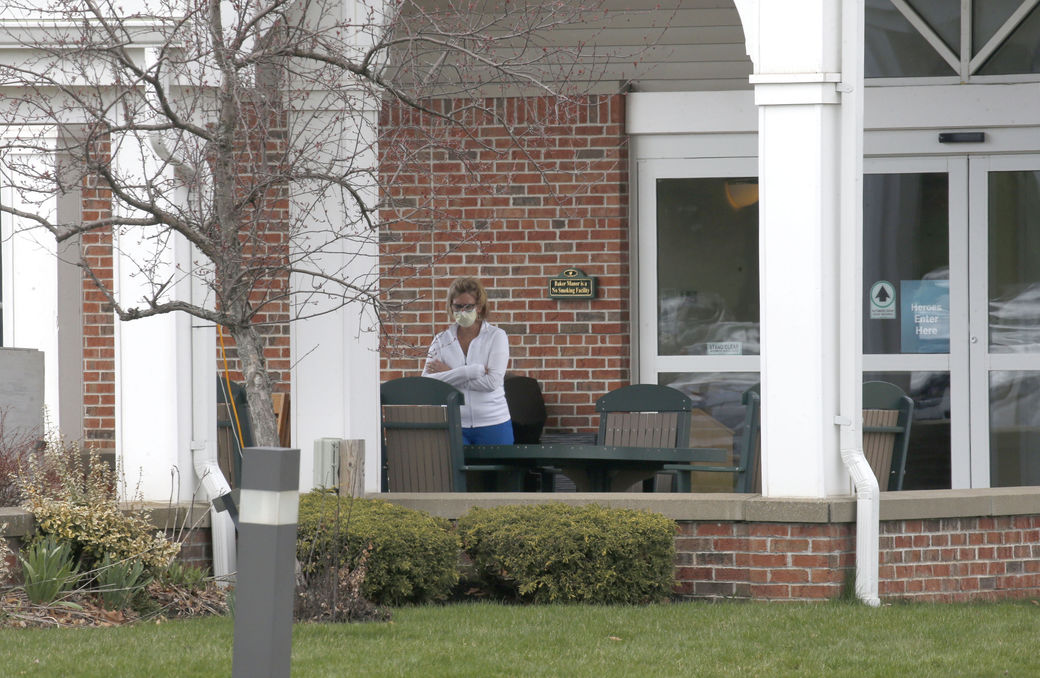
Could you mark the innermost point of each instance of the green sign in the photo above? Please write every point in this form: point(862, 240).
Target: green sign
point(572, 284)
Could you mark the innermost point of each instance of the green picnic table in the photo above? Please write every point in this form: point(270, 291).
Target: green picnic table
point(596, 468)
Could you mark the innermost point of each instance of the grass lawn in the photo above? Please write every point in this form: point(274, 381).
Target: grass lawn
point(481, 640)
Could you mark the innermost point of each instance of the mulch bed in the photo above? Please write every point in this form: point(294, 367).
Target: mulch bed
point(85, 609)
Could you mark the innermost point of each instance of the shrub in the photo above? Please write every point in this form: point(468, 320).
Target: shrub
point(80, 505)
point(333, 594)
point(48, 569)
point(558, 553)
point(412, 555)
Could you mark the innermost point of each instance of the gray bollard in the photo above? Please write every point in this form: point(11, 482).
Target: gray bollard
point(268, 510)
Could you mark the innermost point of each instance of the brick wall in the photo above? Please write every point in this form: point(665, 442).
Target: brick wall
point(955, 559)
point(943, 560)
point(780, 561)
point(515, 194)
point(99, 353)
point(264, 235)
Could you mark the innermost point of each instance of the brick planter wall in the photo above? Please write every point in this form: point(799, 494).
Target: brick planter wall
point(726, 548)
point(957, 559)
point(947, 560)
point(196, 547)
point(774, 561)
point(942, 560)
point(192, 530)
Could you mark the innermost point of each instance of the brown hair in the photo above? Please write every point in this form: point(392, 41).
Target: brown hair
point(468, 286)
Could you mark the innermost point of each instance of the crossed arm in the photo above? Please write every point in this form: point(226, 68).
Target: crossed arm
point(477, 376)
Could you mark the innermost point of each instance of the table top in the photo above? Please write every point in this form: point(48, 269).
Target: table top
point(596, 453)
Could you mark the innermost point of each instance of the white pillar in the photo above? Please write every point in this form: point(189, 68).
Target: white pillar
point(335, 386)
point(334, 347)
point(153, 358)
point(796, 49)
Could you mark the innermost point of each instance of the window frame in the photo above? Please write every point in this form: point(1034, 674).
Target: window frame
point(648, 171)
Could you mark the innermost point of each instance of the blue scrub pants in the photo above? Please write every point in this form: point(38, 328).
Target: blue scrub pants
point(496, 434)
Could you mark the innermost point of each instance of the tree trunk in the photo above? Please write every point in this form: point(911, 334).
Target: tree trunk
point(258, 385)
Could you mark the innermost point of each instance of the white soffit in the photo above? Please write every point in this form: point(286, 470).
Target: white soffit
point(691, 112)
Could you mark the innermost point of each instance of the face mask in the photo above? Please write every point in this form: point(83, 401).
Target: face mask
point(466, 318)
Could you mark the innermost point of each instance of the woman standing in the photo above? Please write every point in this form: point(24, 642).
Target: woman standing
point(472, 356)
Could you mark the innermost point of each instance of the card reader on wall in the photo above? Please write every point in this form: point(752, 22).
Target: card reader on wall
point(961, 137)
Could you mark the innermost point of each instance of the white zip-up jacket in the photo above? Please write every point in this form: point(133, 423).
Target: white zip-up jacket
point(478, 374)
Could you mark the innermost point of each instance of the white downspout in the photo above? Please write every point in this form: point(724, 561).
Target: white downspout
point(204, 399)
point(222, 528)
point(204, 426)
point(850, 358)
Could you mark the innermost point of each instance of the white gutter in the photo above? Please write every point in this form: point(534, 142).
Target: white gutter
point(204, 398)
point(850, 299)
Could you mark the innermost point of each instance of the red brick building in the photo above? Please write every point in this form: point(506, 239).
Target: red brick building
point(513, 200)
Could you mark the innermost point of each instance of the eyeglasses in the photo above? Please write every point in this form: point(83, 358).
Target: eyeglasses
point(463, 307)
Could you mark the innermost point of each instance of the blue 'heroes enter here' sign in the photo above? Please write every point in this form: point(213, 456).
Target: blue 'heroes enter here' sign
point(924, 316)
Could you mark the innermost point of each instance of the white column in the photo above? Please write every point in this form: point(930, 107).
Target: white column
point(796, 49)
point(153, 359)
point(334, 347)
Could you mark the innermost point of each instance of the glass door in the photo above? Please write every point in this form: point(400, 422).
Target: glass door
point(951, 277)
point(915, 310)
point(1005, 320)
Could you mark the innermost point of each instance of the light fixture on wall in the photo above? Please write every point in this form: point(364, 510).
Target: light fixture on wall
point(741, 192)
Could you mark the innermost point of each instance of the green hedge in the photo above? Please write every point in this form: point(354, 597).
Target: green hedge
point(413, 557)
point(559, 553)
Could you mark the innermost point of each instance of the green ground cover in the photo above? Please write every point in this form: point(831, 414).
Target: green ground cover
point(681, 639)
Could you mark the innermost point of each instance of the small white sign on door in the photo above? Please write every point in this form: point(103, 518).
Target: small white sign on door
point(882, 300)
point(725, 347)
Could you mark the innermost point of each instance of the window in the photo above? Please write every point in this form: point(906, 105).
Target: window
point(698, 308)
point(942, 38)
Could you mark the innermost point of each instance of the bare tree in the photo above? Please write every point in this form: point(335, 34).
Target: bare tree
point(247, 129)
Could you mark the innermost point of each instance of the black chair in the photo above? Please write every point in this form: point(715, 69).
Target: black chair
point(232, 420)
point(887, 415)
point(526, 408)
